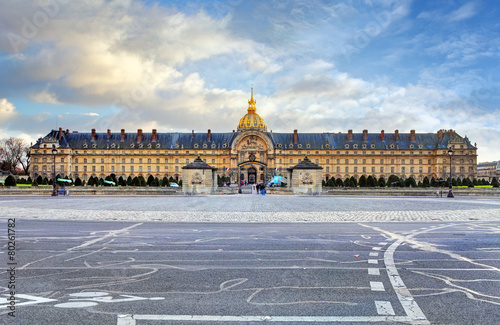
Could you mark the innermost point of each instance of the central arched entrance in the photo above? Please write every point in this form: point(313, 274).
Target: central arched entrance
point(251, 171)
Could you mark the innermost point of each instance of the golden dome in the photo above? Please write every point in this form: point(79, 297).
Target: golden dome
point(252, 120)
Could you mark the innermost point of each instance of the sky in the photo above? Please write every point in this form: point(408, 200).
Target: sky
point(315, 66)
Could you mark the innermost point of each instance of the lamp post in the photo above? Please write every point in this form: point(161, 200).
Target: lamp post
point(450, 192)
point(54, 190)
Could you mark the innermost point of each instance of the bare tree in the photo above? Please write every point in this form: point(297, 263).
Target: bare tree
point(14, 152)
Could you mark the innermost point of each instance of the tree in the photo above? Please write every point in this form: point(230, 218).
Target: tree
point(339, 182)
point(150, 180)
point(78, 182)
point(393, 181)
point(371, 181)
point(381, 181)
point(10, 181)
point(39, 180)
point(425, 182)
point(354, 181)
point(494, 182)
point(433, 182)
point(362, 181)
point(165, 182)
point(14, 152)
point(459, 181)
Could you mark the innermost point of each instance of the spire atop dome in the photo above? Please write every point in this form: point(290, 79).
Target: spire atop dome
point(251, 105)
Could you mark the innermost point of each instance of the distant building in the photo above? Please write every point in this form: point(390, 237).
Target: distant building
point(254, 154)
point(488, 170)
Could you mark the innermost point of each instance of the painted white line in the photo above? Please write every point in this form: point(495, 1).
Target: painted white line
point(377, 286)
point(373, 254)
point(112, 233)
point(373, 271)
point(131, 319)
point(384, 308)
point(376, 248)
point(372, 261)
point(382, 243)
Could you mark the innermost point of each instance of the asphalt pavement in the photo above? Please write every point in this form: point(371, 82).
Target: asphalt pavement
point(249, 271)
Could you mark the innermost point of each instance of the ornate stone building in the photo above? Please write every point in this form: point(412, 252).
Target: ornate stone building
point(253, 153)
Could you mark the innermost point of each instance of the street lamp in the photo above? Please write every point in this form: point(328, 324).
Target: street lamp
point(450, 192)
point(54, 190)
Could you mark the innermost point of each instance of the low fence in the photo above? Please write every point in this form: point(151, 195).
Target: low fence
point(395, 191)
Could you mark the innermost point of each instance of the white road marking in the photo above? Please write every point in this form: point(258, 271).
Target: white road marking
point(131, 319)
point(108, 234)
point(33, 300)
point(373, 271)
point(77, 304)
point(377, 286)
point(384, 308)
point(382, 243)
point(376, 248)
point(372, 261)
point(373, 254)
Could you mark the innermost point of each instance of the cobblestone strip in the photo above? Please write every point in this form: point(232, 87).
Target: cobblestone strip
point(239, 216)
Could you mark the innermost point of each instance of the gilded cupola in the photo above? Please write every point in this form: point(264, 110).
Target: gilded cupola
point(252, 120)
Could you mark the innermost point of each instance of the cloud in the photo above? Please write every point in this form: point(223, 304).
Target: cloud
point(466, 11)
point(7, 111)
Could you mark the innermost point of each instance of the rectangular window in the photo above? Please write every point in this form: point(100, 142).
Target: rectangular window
point(123, 169)
point(364, 170)
point(131, 169)
point(355, 169)
point(327, 169)
point(347, 169)
point(113, 169)
point(140, 169)
point(93, 168)
point(373, 169)
point(381, 169)
point(157, 169)
point(102, 168)
point(85, 168)
point(149, 169)
point(392, 170)
point(76, 169)
point(338, 169)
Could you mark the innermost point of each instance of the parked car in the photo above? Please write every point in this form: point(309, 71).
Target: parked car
point(174, 184)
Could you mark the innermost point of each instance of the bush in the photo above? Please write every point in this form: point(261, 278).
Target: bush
point(39, 180)
point(10, 181)
point(371, 181)
point(339, 182)
point(34, 183)
point(78, 182)
point(362, 181)
point(381, 182)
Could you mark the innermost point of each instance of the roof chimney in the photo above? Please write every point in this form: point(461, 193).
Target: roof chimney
point(109, 134)
point(365, 135)
point(154, 136)
point(382, 135)
point(349, 135)
point(396, 135)
point(295, 136)
point(139, 135)
point(209, 135)
point(93, 135)
point(412, 135)
point(60, 133)
point(122, 136)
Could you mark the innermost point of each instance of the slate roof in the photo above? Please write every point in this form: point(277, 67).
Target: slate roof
point(336, 141)
point(305, 164)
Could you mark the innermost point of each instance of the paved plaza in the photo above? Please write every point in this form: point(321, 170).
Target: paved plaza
point(252, 208)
